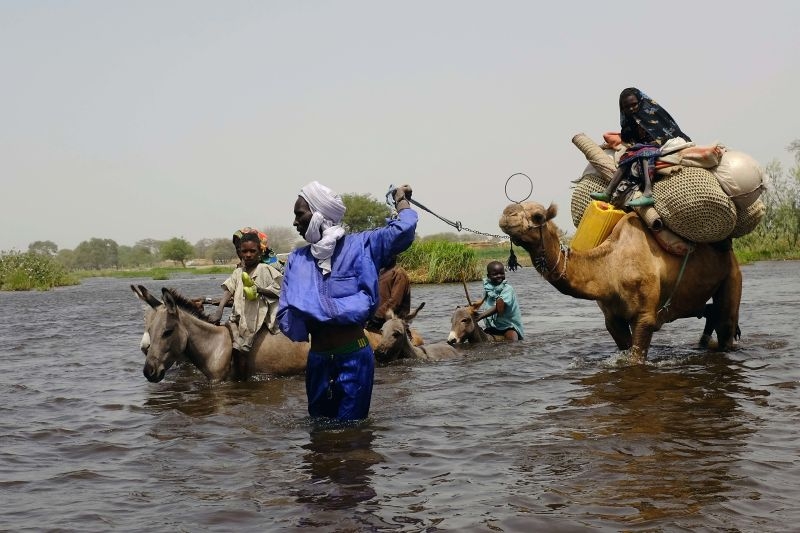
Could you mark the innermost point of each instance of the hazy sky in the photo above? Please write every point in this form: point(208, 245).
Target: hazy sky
point(154, 119)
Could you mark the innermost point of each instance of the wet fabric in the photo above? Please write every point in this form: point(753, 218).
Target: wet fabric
point(394, 292)
point(348, 295)
point(512, 317)
point(340, 386)
point(657, 126)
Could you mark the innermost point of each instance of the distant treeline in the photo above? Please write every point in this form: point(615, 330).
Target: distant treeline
point(443, 257)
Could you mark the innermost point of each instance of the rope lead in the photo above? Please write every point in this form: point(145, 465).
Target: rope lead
point(457, 224)
point(512, 264)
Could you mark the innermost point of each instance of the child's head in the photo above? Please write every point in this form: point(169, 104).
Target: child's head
point(495, 272)
point(262, 238)
point(629, 101)
point(250, 249)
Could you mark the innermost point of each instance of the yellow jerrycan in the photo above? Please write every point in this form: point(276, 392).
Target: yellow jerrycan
point(596, 224)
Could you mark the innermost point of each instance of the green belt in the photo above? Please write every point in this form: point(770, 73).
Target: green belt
point(350, 347)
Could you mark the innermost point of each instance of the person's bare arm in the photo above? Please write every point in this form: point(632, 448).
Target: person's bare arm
point(217, 315)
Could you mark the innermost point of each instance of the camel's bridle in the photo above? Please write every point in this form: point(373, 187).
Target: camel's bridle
point(540, 259)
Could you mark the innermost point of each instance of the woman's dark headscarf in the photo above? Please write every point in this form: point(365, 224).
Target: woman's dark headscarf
point(658, 125)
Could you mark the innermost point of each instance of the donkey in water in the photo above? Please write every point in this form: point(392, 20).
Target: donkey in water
point(464, 326)
point(176, 329)
point(396, 342)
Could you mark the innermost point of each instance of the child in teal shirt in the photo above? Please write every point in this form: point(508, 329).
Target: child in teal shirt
point(500, 300)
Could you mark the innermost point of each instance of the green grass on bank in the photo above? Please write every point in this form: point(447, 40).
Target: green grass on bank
point(752, 248)
point(157, 273)
point(439, 262)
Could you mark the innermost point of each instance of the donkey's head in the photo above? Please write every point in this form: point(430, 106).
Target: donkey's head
point(396, 337)
point(463, 325)
point(165, 337)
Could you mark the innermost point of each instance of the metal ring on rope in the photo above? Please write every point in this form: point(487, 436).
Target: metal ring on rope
point(529, 193)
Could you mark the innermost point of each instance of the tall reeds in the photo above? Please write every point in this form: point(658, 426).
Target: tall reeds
point(439, 262)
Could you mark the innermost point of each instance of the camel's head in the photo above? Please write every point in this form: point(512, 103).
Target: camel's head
point(522, 221)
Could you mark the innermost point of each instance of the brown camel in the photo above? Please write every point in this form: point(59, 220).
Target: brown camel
point(631, 277)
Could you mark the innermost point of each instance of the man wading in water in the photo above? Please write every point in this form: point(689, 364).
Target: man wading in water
point(330, 290)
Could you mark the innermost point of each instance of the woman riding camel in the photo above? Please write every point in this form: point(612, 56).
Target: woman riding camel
point(646, 126)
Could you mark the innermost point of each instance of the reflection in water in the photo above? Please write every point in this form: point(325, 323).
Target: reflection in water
point(653, 443)
point(340, 464)
point(197, 398)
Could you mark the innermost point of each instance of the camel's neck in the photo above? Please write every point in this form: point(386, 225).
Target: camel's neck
point(209, 347)
point(566, 270)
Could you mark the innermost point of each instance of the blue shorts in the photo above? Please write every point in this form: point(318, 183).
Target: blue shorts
point(340, 386)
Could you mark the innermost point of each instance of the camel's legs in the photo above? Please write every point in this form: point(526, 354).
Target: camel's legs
point(711, 315)
point(643, 330)
point(726, 301)
point(619, 330)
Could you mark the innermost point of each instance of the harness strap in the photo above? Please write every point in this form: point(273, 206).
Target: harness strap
point(666, 305)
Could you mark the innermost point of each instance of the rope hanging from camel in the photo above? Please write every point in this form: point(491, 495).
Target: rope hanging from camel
point(512, 263)
point(666, 305)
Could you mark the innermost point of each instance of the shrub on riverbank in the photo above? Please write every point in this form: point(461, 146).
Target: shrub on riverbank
point(756, 247)
point(32, 271)
point(439, 262)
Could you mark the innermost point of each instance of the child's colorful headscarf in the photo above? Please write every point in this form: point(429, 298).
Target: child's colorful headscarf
point(263, 239)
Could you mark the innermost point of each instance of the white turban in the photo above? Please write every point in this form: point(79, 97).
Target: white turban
point(324, 229)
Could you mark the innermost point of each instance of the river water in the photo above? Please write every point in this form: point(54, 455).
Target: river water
point(545, 435)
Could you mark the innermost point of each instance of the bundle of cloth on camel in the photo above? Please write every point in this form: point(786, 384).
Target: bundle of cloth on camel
point(702, 193)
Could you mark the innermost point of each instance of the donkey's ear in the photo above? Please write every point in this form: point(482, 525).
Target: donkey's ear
point(389, 315)
point(169, 301)
point(413, 314)
point(137, 292)
point(144, 295)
